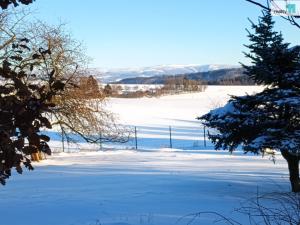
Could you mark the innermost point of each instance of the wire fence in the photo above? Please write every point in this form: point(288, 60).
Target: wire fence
point(150, 138)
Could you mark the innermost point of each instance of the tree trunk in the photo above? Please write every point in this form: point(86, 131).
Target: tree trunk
point(293, 164)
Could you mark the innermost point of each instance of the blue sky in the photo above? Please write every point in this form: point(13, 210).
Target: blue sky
point(135, 33)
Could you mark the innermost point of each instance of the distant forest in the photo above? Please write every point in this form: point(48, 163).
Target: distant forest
point(172, 85)
point(233, 76)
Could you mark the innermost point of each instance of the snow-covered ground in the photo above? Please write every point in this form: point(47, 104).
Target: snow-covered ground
point(177, 110)
point(154, 185)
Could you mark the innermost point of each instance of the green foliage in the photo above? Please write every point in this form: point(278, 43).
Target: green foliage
point(270, 56)
point(270, 119)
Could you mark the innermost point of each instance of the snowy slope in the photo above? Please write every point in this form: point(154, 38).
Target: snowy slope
point(174, 109)
point(153, 116)
point(149, 186)
point(106, 76)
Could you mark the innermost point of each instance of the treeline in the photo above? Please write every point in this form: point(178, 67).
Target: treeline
point(172, 85)
point(178, 84)
point(232, 76)
point(242, 80)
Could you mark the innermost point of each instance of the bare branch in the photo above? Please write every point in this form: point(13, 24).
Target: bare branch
point(290, 19)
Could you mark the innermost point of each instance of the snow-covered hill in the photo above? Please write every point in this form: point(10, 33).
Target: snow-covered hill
point(112, 75)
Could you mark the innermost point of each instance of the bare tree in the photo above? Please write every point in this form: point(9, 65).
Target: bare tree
point(81, 108)
point(11, 26)
point(44, 76)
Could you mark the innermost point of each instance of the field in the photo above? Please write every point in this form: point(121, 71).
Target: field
point(153, 185)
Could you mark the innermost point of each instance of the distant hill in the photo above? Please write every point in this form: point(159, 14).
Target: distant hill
point(109, 76)
point(232, 76)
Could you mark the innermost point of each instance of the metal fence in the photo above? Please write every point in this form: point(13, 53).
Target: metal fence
point(151, 138)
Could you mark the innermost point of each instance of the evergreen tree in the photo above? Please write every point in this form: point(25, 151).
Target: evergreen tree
point(271, 118)
point(108, 90)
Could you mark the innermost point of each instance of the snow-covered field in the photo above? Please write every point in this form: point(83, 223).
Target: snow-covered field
point(154, 185)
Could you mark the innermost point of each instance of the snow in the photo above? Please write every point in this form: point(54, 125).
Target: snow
point(228, 108)
point(178, 110)
point(136, 187)
point(111, 75)
point(151, 185)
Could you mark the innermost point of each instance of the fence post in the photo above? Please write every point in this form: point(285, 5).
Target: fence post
point(63, 141)
point(100, 140)
point(170, 129)
point(204, 135)
point(135, 135)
